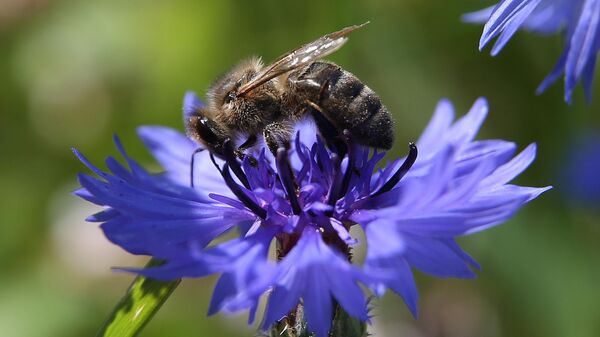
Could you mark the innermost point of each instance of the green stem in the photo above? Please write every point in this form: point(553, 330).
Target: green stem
point(142, 300)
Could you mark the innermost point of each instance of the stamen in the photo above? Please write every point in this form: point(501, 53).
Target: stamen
point(340, 184)
point(237, 191)
point(287, 179)
point(350, 167)
point(234, 164)
point(336, 183)
point(408, 163)
point(196, 151)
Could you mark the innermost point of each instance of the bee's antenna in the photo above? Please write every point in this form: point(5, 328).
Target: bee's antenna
point(196, 151)
point(234, 164)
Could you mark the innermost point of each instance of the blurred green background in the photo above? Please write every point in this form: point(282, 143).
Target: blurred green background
point(72, 73)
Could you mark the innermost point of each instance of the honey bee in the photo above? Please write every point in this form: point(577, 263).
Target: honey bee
point(253, 100)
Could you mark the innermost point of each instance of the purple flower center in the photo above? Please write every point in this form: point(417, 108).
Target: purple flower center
point(320, 189)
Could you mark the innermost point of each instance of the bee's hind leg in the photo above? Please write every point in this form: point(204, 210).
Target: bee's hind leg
point(327, 129)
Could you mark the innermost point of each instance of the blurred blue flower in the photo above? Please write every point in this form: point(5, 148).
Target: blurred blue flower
point(306, 199)
point(578, 19)
point(581, 181)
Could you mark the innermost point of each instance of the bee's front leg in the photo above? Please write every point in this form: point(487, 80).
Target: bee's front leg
point(277, 134)
point(240, 151)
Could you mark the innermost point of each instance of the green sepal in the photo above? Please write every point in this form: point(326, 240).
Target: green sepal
point(345, 325)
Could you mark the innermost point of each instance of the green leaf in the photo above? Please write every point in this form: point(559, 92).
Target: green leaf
point(142, 300)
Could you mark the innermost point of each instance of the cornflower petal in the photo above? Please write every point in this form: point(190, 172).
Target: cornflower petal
point(318, 274)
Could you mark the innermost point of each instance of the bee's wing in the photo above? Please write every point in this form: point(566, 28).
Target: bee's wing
point(299, 57)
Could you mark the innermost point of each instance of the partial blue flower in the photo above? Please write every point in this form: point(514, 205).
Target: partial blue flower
point(580, 179)
point(306, 200)
point(579, 20)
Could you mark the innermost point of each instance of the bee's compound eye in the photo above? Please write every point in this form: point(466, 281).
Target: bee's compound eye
point(230, 96)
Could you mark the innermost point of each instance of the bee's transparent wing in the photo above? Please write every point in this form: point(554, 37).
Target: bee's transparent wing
point(299, 57)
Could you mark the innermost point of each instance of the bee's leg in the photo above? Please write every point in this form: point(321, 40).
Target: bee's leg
point(196, 151)
point(319, 90)
point(250, 142)
point(328, 130)
point(277, 135)
point(322, 90)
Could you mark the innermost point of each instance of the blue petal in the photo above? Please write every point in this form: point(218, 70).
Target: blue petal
point(471, 155)
point(155, 234)
point(383, 239)
point(508, 15)
point(514, 24)
point(555, 74)
point(318, 307)
point(243, 281)
point(512, 169)
point(349, 295)
point(580, 180)
point(283, 299)
point(583, 45)
point(394, 273)
point(479, 16)
point(465, 129)
point(135, 200)
point(223, 289)
point(86, 195)
point(588, 77)
point(436, 257)
point(551, 16)
point(315, 272)
point(103, 215)
point(191, 104)
point(173, 271)
point(171, 148)
point(439, 124)
point(174, 150)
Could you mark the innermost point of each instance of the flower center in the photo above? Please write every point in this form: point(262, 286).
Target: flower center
point(320, 191)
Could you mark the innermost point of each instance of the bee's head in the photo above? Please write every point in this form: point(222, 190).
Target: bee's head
point(252, 108)
point(222, 95)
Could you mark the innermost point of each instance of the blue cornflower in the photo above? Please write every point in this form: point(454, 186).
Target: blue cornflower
point(306, 199)
point(578, 19)
point(580, 179)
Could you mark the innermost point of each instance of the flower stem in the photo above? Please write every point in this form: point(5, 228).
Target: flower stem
point(142, 300)
point(343, 325)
